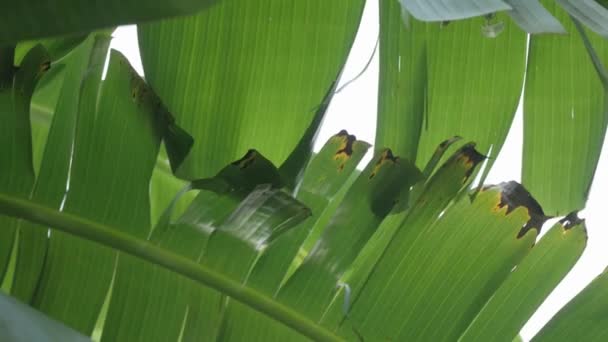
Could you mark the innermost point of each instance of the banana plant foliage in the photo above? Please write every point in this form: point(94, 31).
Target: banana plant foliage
point(189, 206)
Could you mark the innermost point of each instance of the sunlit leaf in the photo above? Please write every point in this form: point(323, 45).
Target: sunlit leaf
point(233, 73)
point(530, 283)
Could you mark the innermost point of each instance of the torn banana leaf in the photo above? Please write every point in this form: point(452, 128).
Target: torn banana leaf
point(427, 277)
point(50, 187)
point(17, 175)
point(240, 216)
point(116, 142)
point(264, 214)
point(247, 74)
point(583, 318)
point(556, 104)
point(530, 283)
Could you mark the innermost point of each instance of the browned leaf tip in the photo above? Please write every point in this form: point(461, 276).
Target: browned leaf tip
point(346, 147)
point(385, 156)
point(469, 157)
point(571, 220)
point(514, 195)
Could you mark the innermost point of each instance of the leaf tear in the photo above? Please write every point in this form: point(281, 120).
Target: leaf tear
point(385, 157)
point(513, 195)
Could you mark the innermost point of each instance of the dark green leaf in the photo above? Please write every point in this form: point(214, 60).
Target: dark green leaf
point(532, 17)
point(474, 84)
point(589, 12)
point(402, 81)
point(17, 175)
point(425, 203)
point(441, 274)
point(57, 47)
point(116, 143)
point(50, 187)
point(366, 203)
point(327, 173)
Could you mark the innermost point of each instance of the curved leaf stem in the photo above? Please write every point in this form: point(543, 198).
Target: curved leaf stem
point(113, 238)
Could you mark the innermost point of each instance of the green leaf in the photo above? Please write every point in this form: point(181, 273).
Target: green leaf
point(583, 318)
point(427, 277)
point(31, 19)
point(246, 233)
point(21, 323)
point(116, 143)
point(425, 201)
point(57, 47)
point(589, 12)
point(115, 238)
point(17, 176)
point(565, 116)
point(533, 18)
point(474, 85)
point(325, 177)
point(42, 108)
point(402, 81)
point(232, 219)
point(292, 169)
point(365, 205)
point(50, 187)
point(253, 64)
point(526, 288)
point(442, 10)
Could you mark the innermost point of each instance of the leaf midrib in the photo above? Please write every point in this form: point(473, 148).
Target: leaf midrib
point(112, 237)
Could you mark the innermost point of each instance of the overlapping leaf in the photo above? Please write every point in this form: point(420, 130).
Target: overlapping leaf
point(52, 177)
point(474, 84)
point(558, 165)
point(236, 71)
point(115, 148)
point(17, 176)
point(402, 81)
